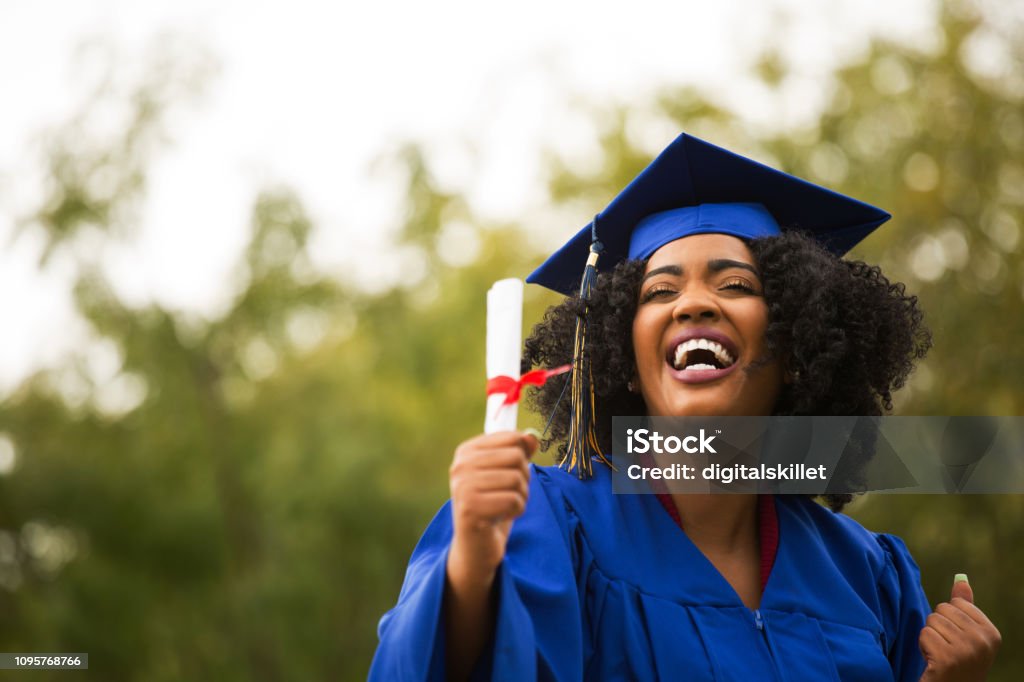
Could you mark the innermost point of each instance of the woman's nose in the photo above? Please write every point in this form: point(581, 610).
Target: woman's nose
point(695, 306)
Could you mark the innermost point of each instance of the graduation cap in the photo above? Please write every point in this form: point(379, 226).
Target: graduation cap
point(692, 187)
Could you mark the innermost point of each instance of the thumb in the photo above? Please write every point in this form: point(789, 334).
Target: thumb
point(961, 588)
point(532, 439)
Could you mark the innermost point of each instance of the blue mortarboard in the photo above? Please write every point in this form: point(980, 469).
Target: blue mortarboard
point(694, 187)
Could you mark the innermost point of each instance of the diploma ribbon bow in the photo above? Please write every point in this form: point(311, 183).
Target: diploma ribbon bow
point(512, 388)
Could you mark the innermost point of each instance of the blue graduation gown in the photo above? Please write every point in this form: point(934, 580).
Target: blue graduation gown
point(606, 587)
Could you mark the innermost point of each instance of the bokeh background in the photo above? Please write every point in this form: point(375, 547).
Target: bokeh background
point(245, 252)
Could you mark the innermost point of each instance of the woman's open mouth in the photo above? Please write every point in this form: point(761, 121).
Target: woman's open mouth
point(701, 355)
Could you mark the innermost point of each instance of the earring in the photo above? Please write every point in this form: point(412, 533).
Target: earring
point(630, 387)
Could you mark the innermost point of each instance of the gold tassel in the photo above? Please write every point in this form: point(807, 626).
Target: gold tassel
point(582, 443)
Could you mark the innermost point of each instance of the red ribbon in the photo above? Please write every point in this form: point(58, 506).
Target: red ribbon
point(512, 388)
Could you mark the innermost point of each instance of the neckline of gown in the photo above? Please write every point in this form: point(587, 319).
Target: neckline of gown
point(768, 529)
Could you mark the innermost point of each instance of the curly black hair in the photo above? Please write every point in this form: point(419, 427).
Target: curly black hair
point(848, 337)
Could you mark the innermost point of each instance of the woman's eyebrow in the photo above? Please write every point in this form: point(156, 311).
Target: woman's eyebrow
point(719, 264)
point(665, 269)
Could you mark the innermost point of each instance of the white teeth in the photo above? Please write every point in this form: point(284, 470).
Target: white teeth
point(702, 366)
point(723, 356)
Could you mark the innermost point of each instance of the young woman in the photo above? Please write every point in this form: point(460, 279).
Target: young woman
point(542, 573)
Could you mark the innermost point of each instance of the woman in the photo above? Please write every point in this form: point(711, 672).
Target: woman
point(587, 584)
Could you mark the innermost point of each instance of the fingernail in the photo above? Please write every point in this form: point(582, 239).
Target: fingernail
point(960, 578)
point(532, 432)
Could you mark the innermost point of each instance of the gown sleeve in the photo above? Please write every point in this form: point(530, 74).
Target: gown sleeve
point(905, 608)
point(538, 631)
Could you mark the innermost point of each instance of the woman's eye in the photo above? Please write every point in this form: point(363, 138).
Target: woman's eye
point(655, 292)
point(739, 285)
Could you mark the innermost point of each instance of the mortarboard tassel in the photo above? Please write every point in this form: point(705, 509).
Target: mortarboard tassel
point(582, 444)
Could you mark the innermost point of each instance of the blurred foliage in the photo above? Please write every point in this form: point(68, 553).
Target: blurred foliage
point(239, 499)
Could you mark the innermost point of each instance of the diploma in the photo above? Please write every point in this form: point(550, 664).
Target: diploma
point(504, 340)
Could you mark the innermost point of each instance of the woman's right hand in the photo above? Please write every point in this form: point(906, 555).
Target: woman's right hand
point(489, 480)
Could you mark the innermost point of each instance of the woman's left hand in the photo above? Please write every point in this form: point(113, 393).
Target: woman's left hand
point(959, 642)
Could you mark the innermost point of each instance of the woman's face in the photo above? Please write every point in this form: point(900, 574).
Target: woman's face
point(699, 331)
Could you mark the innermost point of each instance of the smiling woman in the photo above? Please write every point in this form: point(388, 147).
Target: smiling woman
point(841, 337)
point(711, 302)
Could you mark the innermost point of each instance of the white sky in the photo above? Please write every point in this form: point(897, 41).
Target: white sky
point(310, 93)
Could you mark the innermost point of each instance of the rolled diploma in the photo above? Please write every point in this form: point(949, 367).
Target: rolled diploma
point(504, 338)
